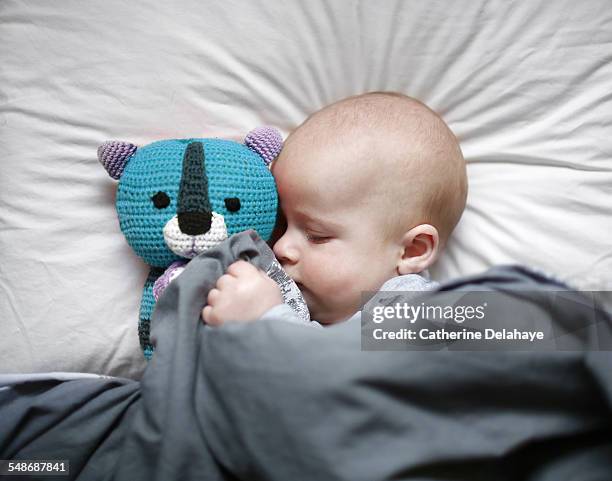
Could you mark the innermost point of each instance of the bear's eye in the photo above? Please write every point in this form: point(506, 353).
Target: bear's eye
point(161, 200)
point(232, 204)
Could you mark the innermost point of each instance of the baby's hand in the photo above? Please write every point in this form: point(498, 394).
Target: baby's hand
point(244, 293)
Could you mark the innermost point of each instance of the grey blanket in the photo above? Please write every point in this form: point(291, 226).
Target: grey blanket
point(279, 401)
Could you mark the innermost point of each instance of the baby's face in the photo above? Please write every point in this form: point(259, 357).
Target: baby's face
point(332, 246)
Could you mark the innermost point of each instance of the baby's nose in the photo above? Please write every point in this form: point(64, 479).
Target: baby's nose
point(284, 251)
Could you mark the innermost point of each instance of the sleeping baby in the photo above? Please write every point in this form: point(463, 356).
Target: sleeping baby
point(370, 189)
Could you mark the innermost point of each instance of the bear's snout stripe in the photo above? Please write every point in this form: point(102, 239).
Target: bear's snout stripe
point(193, 209)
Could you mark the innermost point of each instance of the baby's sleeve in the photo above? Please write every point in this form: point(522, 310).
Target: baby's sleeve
point(283, 312)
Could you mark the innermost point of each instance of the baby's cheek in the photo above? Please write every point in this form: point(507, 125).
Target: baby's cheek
point(337, 276)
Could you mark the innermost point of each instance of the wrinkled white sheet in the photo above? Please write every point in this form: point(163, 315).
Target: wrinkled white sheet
point(524, 85)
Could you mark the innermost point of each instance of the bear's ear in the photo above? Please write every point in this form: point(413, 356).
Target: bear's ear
point(114, 156)
point(265, 141)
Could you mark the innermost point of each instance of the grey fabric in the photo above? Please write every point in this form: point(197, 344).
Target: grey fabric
point(406, 284)
point(410, 282)
point(84, 421)
point(287, 314)
point(278, 401)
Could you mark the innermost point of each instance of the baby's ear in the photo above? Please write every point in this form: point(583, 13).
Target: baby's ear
point(420, 247)
point(266, 142)
point(114, 156)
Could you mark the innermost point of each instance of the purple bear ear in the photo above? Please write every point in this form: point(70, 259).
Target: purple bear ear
point(114, 156)
point(265, 141)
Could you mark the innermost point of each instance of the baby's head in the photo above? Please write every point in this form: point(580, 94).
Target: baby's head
point(370, 187)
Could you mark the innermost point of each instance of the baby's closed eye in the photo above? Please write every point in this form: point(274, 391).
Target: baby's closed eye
point(317, 238)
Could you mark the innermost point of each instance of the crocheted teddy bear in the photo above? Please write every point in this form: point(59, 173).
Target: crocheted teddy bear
point(177, 198)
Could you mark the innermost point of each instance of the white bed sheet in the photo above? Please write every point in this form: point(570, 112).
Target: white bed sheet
point(524, 85)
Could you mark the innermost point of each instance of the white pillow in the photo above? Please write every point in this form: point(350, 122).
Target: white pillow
point(524, 85)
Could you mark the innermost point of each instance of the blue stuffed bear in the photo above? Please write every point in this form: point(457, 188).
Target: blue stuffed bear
point(178, 198)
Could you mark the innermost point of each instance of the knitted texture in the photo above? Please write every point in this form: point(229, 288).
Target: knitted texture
point(147, 303)
point(113, 155)
point(190, 246)
point(265, 141)
point(178, 198)
point(231, 170)
point(167, 277)
point(193, 209)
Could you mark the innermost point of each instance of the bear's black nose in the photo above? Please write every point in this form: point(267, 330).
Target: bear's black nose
point(193, 207)
point(194, 223)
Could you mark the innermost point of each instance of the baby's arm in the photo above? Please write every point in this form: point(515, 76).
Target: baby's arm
point(243, 293)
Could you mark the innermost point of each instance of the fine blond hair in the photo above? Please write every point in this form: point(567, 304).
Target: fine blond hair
point(414, 160)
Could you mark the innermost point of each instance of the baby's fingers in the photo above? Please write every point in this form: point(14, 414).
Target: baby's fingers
point(209, 317)
point(240, 268)
point(213, 296)
point(225, 282)
point(206, 312)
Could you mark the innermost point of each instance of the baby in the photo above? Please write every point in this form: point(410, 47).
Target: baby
point(370, 189)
